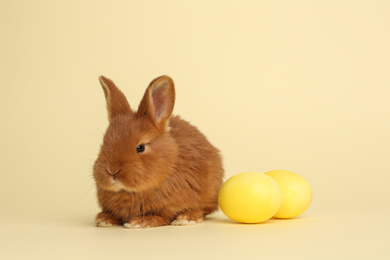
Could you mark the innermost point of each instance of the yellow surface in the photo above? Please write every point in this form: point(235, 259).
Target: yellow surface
point(297, 85)
point(250, 197)
point(297, 193)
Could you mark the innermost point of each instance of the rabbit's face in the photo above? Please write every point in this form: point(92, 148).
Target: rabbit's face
point(134, 155)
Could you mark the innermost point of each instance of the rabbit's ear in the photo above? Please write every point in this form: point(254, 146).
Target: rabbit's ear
point(158, 101)
point(116, 101)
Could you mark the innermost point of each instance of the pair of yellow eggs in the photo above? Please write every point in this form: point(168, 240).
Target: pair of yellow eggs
point(253, 197)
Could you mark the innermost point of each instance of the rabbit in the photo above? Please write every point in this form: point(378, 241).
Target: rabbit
point(154, 168)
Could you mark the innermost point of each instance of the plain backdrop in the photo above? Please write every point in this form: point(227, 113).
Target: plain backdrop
point(296, 85)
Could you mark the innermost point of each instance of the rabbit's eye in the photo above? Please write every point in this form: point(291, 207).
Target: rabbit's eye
point(140, 148)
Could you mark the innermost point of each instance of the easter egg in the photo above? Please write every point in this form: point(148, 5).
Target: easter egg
point(297, 194)
point(250, 197)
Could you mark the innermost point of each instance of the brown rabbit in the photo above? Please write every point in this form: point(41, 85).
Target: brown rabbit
point(153, 168)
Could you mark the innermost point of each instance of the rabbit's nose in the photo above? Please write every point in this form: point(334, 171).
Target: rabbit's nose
point(115, 174)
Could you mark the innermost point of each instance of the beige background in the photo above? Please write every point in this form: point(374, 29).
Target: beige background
point(296, 85)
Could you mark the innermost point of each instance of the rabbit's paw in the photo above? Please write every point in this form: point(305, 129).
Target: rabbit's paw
point(105, 220)
point(188, 218)
point(145, 222)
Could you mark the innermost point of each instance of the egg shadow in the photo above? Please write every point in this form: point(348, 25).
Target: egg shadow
point(220, 219)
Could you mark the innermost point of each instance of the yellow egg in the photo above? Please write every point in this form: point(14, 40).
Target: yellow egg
point(297, 193)
point(250, 197)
